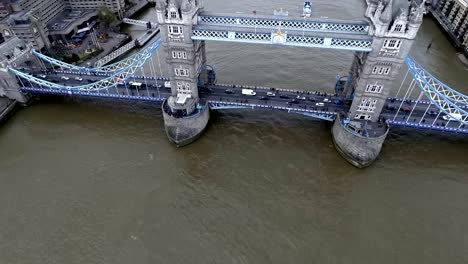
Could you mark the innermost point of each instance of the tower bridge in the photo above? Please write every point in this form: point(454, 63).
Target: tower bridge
point(361, 110)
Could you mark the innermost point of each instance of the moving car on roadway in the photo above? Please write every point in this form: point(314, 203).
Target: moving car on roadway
point(65, 78)
point(452, 117)
point(248, 92)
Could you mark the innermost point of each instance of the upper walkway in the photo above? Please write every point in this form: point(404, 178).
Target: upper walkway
point(309, 32)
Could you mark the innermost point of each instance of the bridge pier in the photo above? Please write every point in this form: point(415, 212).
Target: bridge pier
point(182, 129)
point(352, 142)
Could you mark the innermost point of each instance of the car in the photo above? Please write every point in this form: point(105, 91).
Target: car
point(338, 102)
point(312, 99)
point(78, 79)
point(326, 100)
point(303, 98)
point(405, 109)
point(65, 78)
point(433, 113)
point(42, 76)
point(248, 92)
point(293, 101)
point(229, 91)
point(264, 98)
point(90, 81)
point(284, 96)
point(271, 94)
point(391, 107)
point(319, 104)
point(452, 117)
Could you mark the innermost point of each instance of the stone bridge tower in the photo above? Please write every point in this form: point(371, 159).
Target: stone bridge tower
point(184, 115)
point(394, 24)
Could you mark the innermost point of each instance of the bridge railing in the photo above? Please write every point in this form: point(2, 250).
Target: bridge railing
point(315, 25)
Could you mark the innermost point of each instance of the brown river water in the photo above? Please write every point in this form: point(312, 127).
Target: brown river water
point(96, 181)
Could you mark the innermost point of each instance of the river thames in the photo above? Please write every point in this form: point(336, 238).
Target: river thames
point(97, 181)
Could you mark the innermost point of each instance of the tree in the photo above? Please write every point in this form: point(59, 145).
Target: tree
point(106, 17)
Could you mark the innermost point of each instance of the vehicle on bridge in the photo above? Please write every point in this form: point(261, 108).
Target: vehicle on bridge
point(229, 91)
point(135, 85)
point(452, 117)
point(167, 84)
point(78, 79)
point(65, 78)
point(271, 94)
point(248, 92)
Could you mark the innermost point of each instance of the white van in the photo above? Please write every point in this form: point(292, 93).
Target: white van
point(249, 92)
point(167, 84)
point(452, 117)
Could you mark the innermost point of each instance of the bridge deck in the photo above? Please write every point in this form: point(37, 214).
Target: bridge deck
point(218, 98)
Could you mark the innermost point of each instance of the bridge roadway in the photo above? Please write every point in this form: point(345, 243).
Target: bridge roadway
point(218, 98)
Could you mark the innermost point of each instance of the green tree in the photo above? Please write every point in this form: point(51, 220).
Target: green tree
point(106, 17)
point(75, 57)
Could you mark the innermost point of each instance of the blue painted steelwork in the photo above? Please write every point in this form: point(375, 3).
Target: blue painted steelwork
point(104, 84)
point(364, 44)
point(91, 94)
point(323, 115)
point(105, 69)
point(446, 99)
point(428, 127)
point(327, 26)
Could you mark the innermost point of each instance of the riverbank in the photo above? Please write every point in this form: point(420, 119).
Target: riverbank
point(6, 107)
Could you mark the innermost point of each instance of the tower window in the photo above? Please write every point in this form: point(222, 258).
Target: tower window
point(367, 105)
point(181, 72)
point(175, 30)
point(374, 88)
point(398, 27)
point(173, 14)
point(381, 70)
point(179, 55)
point(392, 43)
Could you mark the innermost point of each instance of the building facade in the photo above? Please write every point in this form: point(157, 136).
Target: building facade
point(41, 22)
point(116, 6)
point(454, 14)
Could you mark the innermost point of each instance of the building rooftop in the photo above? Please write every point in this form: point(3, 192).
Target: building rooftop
point(67, 18)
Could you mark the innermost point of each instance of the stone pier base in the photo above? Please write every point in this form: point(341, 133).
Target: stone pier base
point(185, 130)
point(361, 151)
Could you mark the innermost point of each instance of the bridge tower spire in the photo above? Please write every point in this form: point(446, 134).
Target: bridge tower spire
point(184, 115)
point(394, 25)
